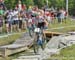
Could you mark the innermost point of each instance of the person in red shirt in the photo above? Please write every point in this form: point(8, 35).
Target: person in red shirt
point(20, 6)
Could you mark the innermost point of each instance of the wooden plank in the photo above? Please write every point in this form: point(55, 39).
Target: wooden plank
point(29, 57)
point(49, 32)
point(13, 51)
point(12, 46)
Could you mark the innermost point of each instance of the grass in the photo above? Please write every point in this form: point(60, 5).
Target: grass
point(10, 39)
point(66, 54)
point(65, 25)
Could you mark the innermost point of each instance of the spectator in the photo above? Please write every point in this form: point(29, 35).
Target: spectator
point(20, 20)
point(29, 25)
point(1, 23)
point(59, 16)
point(9, 21)
point(1, 10)
point(15, 20)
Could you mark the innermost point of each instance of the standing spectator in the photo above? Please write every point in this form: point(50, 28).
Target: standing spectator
point(9, 21)
point(62, 15)
point(15, 20)
point(33, 23)
point(20, 6)
point(49, 17)
point(46, 24)
point(52, 17)
point(66, 16)
point(59, 16)
point(20, 20)
point(29, 25)
point(24, 19)
point(1, 23)
point(1, 18)
point(1, 10)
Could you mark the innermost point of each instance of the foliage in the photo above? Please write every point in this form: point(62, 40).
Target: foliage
point(28, 2)
point(10, 3)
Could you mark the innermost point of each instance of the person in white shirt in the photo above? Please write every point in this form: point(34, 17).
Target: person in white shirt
point(15, 20)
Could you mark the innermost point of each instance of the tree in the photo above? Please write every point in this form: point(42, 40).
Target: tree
point(39, 3)
point(28, 2)
point(10, 3)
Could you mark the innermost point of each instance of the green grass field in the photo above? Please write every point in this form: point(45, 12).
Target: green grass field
point(65, 54)
point(10, 39)
point(64, 27)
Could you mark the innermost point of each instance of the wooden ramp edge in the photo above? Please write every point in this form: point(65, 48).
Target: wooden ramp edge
point(49, 33)
point(8, 51)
